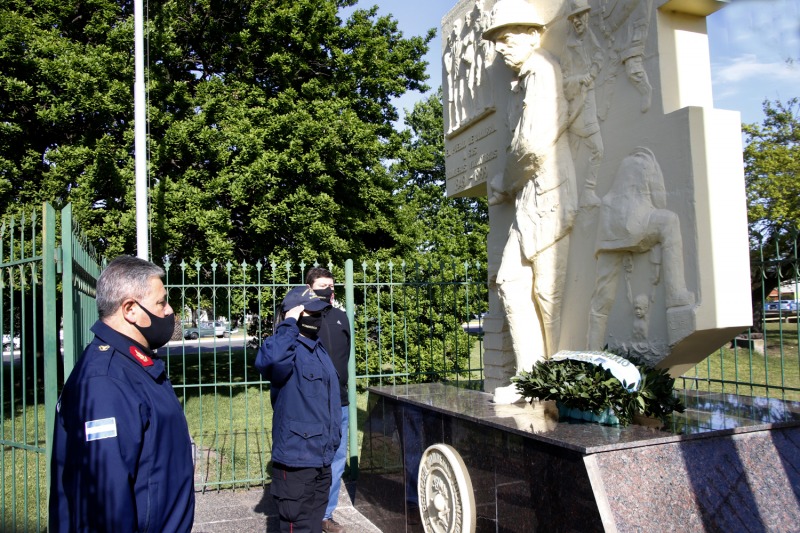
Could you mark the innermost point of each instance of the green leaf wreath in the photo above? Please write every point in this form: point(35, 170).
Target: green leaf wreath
point(588, 387)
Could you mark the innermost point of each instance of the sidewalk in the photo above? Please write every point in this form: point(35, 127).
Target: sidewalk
point(245, 511)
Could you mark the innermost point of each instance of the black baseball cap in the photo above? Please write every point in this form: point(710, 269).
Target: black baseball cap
point(306, 297)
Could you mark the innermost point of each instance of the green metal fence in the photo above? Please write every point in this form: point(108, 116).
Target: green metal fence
point(21, 404)
point(765, 359)
point(407, 326)
point(410, 323)
point(32, 254)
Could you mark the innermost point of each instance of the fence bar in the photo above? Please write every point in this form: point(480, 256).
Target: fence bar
point(349, 298)
point(50, 325)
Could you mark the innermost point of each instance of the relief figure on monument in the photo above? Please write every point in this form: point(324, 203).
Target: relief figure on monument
point(581, 62)
point(480, 56)
point(466, 72)
point(624, 25)
point(634, 220)
point(641, 305)
point(539, 177)
point(466, 59)
point(451, 62)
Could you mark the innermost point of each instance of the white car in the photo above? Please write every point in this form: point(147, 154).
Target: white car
point(207, 329)
point(8, 342)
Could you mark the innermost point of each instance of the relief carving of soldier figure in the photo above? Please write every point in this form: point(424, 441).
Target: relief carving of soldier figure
point(476, 53)
point(634, 219)
point(581, 62)
point(452, 65)
point(625, 25)
point(467, 70)
point(465, 59)
point(539, 177)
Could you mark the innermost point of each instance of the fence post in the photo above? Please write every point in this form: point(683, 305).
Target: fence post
point(50, 325)
point(349, 296)
point(66, 289)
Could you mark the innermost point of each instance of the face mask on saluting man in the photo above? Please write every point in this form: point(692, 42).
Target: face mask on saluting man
point(309, 325)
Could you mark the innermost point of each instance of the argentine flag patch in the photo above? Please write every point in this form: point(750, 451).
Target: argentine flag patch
point(105, 428)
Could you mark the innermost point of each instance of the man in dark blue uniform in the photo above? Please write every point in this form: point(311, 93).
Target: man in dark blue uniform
point(121, 449)
point(335, 337)
point(306, 419)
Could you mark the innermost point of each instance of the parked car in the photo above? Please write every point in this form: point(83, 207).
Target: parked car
point(207, 329)
point(8, 342)
point(781, 306)
point(475, 325)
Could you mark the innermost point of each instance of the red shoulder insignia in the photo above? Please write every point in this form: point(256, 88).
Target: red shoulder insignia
point(139, 356)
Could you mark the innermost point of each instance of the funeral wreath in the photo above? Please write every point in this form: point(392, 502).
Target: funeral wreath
point(576, 383)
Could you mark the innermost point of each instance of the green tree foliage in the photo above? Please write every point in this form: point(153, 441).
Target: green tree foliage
point(772, 176)
point(66, 72)
point(772, 169)
point(268, 119)
point(408, 321)
point(439, 227)
point(429, 295)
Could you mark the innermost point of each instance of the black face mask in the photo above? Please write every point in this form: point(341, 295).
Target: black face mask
point(309, 325)
point(325, 294)
point(160, 330)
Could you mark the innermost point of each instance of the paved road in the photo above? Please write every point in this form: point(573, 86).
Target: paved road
point(204, 344)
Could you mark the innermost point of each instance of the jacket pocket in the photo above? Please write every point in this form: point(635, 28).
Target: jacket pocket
point(305, 430)
point(304, 442)
point(153, 517)
point(312, 383)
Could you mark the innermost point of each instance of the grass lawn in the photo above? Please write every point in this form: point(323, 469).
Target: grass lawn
point(23, 486)
point(752, 373)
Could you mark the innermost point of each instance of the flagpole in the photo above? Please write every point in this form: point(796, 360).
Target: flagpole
point(140, 134)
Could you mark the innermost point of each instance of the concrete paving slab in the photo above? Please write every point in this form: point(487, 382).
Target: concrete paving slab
point(253, 510)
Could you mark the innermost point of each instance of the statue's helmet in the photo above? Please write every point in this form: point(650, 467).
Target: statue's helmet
point(577, 7)
point(512, 13)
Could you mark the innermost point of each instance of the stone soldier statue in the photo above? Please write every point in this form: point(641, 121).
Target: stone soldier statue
point(539, 177)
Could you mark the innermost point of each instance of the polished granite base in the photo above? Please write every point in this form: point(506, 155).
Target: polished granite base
point(730, 463)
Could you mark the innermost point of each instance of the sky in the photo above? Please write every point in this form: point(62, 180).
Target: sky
point(750, 42)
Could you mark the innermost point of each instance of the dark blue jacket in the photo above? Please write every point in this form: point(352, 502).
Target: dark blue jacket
point(304, 389)
point(121, 448)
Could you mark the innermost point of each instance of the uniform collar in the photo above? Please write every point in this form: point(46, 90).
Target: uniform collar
point(311, 343)
point(131, 349)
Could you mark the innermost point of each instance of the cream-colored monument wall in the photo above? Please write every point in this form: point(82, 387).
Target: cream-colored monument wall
point(641, 246)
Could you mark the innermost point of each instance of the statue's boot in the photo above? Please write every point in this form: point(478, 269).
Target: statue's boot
point(596, 335)
point(527, 339)
point(589, 197)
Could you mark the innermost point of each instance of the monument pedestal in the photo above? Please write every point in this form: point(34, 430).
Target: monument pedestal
point(730, 463)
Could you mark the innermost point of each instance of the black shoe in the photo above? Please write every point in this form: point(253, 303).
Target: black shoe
point(412, 514)
point(330, 526)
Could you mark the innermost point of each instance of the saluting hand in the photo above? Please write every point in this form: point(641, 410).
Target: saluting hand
point(294, 312)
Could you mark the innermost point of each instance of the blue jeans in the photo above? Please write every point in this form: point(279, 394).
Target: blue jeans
point(337, 467)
